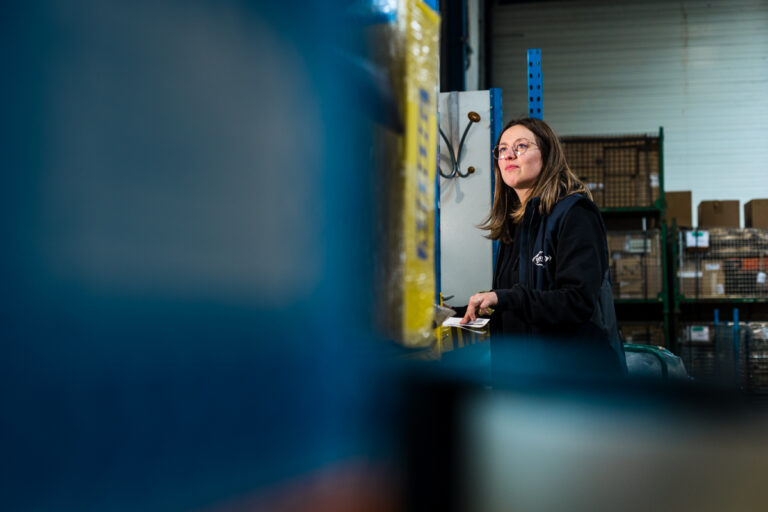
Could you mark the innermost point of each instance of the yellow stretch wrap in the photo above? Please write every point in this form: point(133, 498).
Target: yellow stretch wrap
point(420, 152)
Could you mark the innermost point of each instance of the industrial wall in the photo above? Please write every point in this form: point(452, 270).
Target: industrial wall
point(697, 68)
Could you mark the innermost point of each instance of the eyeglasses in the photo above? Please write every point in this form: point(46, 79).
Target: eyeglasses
point(518, 148)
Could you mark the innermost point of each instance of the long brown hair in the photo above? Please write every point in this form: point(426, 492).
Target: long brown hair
point(555, 182)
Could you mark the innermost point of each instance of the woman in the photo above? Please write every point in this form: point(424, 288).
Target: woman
point(552, 275)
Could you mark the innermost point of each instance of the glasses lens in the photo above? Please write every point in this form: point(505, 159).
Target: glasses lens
point(498, 151)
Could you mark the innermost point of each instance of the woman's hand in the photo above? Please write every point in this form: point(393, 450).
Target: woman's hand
point(479, 304)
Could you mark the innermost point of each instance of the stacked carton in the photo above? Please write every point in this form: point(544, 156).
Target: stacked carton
point(644, 333)
point(636, 271)
point(621, 172)
point(724, 262)
point(756, 213)
point(679, 208)
point(706, 280)
point(722, 214)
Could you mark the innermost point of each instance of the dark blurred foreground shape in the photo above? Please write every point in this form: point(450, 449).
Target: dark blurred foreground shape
point(552, 440)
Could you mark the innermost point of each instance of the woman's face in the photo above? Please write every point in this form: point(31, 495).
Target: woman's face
point(519, 172)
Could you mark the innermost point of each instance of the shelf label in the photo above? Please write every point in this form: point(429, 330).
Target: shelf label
point(761, 277)
point(698, 239)
point(698, 333)
point(689, 274)
point(711, 266)
point(638, 245)
point(654, 176)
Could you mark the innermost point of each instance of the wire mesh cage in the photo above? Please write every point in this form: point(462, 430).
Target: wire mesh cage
point(645, 333)
point(757, 357)
point(696, 347)
point(716, 353)
point(636, 271)
point(621, 171)
point(723, 262)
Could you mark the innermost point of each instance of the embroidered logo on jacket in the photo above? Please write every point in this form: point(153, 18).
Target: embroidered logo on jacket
point(540, 259)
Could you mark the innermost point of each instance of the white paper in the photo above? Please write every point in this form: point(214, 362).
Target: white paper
point(454, 322)
point(761, 277)
point(699, 333)
point(697, 239)
point(712, 266)
point(638, 245)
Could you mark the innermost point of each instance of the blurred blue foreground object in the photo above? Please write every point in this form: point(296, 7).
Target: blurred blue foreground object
point(182, 211)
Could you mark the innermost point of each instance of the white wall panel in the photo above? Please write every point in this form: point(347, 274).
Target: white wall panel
point(697, 68)
point(466, 256)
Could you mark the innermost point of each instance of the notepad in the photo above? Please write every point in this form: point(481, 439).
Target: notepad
point(454, 322)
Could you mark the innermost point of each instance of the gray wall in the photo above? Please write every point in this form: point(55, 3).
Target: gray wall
point(697, 68)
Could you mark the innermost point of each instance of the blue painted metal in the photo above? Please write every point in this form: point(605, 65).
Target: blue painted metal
point(464, 39)
point(717, 316)
point(372, 12)
point(496, 126)
point(535, 87)
point(179, 387)
point(438, 267)
point(434, 4)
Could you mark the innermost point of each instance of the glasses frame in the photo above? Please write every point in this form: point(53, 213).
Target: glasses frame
point(514, 149)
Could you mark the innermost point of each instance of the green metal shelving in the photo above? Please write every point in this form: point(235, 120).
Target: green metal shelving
point(725, 300)
point(621, 173)
point(689, 309)
point(639, 301)
point(631, 210)
point(657, 212)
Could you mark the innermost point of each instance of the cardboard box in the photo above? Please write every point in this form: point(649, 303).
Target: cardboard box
point(631, 289)
point(629, 268)
point(646, 334)
point(679, 208)
point(620, 172)
point(639, 289)
point(633, 243)
point(723, 214)
point(615, 242)
point(756, 213)
point(710, 277)
point(630, 191)
point(635, 264)
point(637, 277)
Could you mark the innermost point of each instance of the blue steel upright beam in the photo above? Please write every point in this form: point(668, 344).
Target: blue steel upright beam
point(435, 5)
point(496, 126)
point(438, 266)
point(535, 89)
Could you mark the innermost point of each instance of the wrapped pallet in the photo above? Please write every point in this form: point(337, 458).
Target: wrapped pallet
point(405, 155)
